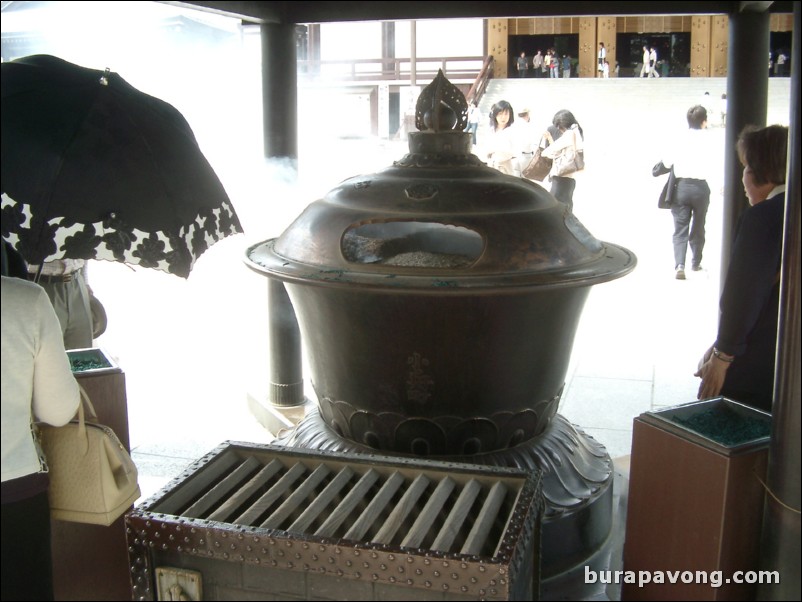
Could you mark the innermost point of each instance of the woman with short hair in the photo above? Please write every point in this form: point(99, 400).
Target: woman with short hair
point(740, 364)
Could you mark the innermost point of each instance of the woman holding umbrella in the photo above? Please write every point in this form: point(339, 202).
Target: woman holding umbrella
point(64, 281)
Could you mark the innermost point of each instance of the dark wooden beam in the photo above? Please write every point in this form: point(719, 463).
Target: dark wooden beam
point(322, 12)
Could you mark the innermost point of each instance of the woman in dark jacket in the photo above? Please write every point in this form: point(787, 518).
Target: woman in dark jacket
point(740, 364)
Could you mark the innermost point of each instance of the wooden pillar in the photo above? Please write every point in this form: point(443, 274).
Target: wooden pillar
point(700, 46)
point(607, 31)
point(388, 49)
point(719, 45)
point(413, 54)
point(497, 45)
point(588, 47)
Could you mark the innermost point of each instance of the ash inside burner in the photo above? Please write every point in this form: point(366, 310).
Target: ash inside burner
point(412, 244)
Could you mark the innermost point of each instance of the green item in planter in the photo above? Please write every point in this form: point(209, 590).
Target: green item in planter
point(83, 364)
point(725, 426)
point(84, 360)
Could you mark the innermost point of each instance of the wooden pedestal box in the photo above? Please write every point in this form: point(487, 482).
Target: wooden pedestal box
point(695, 505)
point(90, 562)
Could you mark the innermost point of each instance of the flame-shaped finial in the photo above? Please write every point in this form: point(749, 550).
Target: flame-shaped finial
point(441, 106)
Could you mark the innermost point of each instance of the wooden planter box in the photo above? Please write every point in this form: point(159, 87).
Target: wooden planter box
point(694, 504)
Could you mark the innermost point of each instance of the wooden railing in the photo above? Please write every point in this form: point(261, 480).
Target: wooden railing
point(480, 84)
point(453, 67)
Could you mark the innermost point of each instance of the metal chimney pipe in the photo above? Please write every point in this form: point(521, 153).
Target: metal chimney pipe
point(286, 385)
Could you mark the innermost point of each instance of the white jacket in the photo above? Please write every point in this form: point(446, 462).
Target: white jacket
point(37, 380)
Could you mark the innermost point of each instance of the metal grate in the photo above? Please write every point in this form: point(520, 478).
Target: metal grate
point(308, 524)
point(397, 505)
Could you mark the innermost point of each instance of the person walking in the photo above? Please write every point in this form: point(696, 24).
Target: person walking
point(566, 66)
point(690, 158)
point(525, 139)
point(554, 65)
point(474, 117)
point(502, 149)
point(537, 64)
point(565, 131)
point(653, 63)
point(644, 70)
point(740, 364)
point(601, 58)
point(522, 65)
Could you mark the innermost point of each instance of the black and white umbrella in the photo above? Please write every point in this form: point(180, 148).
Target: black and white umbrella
point(93, 168)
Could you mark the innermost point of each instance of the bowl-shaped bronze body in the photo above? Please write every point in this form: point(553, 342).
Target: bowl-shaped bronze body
point(438, 300)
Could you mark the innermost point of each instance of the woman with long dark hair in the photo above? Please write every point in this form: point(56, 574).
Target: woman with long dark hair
point(501, 151)
point(566, 132)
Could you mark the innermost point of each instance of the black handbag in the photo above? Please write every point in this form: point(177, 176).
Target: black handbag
point(538, 167)
point(669, 192)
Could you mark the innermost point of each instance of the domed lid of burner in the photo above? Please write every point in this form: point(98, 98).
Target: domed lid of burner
point(437, 218)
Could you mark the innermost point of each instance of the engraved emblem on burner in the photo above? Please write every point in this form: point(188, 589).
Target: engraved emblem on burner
point(419, 383)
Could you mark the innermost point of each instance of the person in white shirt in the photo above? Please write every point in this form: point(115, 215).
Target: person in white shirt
point(690, 158)
point(601, 58)
point(525, 139)
point(653, 63)
point(502, 149)
point(64, 280)
point(474, 117)
point(644, 70)
point(37, 385)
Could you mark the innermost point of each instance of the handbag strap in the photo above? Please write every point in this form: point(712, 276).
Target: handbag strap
point(82, 436)
point(86, 402)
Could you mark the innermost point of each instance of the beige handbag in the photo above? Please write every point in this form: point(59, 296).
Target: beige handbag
point(568, 160)
point(92, 477)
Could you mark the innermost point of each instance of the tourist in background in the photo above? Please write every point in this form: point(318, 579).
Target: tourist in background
point(565, 131)
point(474, 117)
point(690, 158)
point(601, 58)
point(522, 65)
point(537, 64)
point(644, 70)
point(502, 149)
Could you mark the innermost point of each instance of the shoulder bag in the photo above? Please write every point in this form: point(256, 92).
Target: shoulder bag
point(539, 166)
point(568, 160)
point(667, 195)
point(92, 477)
